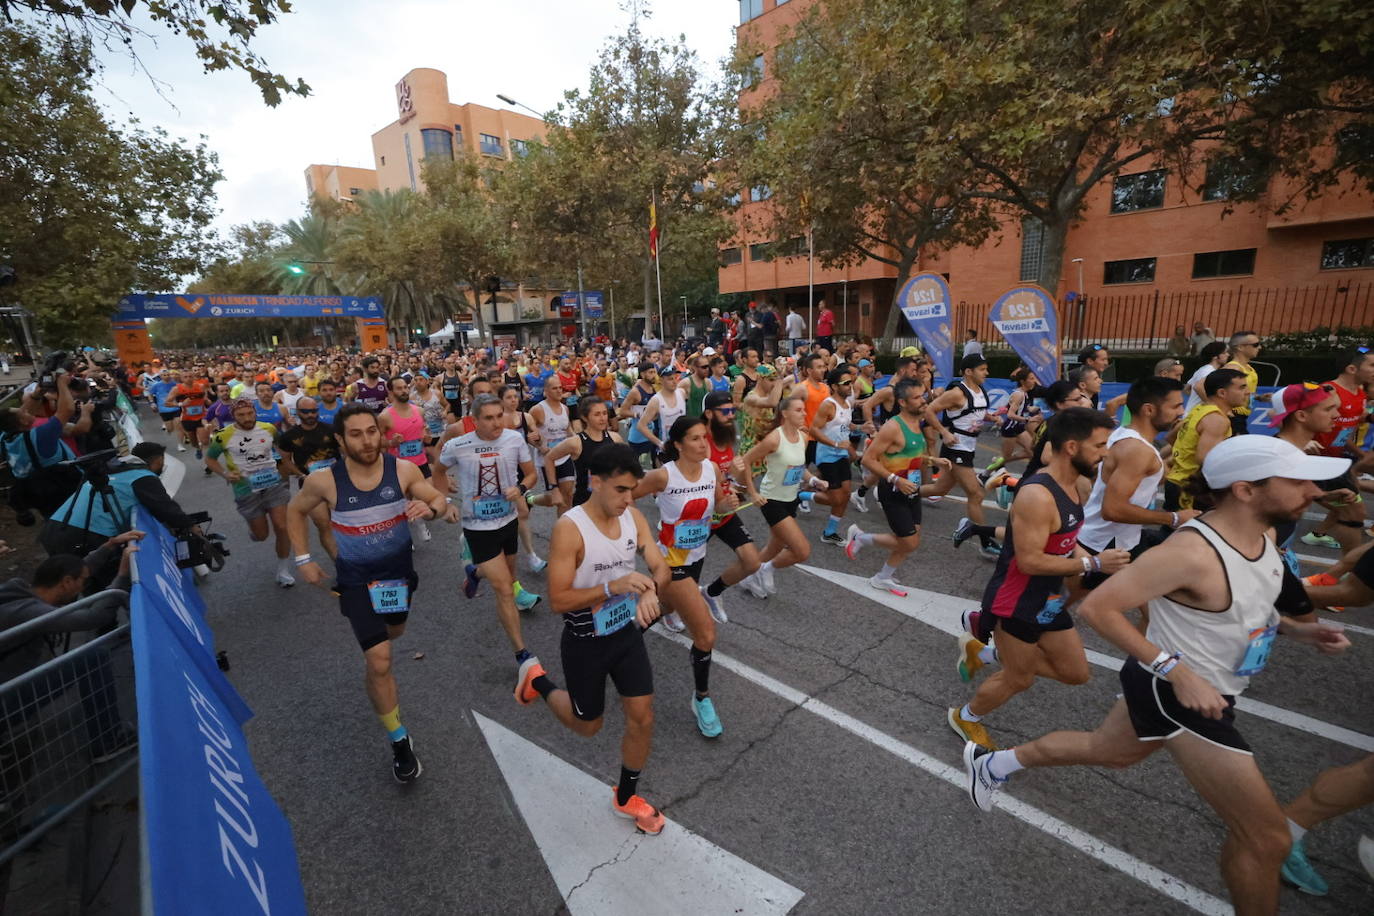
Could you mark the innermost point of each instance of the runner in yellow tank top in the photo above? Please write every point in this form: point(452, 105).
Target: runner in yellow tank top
point(1205, 425)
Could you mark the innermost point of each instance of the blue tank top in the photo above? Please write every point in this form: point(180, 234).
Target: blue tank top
point(326, 414)
point(266, 415)
point(370, 528)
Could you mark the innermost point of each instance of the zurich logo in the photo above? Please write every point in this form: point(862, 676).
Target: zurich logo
point(388, 493)
point(216, 310)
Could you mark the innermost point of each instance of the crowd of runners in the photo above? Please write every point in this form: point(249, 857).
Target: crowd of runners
point(1155, 517)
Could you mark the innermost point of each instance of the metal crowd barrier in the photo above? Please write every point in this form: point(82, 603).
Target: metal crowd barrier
point(67, 726)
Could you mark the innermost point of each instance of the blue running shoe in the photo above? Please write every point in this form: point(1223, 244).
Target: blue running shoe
point(525, 599)
point(1299, 872)
point(473, 584)
point(706, 717)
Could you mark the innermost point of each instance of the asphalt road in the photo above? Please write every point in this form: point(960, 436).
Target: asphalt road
point(828, 774)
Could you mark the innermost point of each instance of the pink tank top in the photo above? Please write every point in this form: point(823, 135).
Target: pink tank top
point(411, 429)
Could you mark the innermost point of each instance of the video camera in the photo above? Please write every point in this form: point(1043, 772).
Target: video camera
point(54, 364)
point(202, 548)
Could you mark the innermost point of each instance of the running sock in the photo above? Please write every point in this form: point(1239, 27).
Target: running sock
point(1003, 763)
point(716, 587)
point(967, 715)
point(391, 721)
point(1296, 830)
point(888, 570)
point(806, 496)
point(701, 670)
point(988, 654)
point(543, 685)
point(766, 565)
point(865, 538)
point(522, 655)
point(832, 524)
point(629, 781)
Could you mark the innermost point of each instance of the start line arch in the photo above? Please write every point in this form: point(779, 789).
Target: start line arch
point(133, 344)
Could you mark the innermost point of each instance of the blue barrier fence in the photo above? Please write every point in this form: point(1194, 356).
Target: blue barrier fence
point(215, 840)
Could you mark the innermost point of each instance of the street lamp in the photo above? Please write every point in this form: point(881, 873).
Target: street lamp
point(684, 315)
point(510, 101)
point(1079, 262)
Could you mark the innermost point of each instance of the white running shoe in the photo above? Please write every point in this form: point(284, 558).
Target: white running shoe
point(852, 544)
point(673, 623)
point(422, 530)
point(753, 586)
point(765, 576)
point(802, 505)
point(888, 585)
point(181, 446)
point(858, 502)
point(537, 563)
point(715, 606)
point(285, 579)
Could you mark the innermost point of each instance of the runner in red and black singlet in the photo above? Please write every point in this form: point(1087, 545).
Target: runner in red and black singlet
point(1013, 595)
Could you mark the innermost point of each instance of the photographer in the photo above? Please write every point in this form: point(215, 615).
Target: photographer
point(60, 580)
point(32, 438)
point(83, 521)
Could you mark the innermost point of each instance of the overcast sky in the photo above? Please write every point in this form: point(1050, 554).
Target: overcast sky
point(352, 53)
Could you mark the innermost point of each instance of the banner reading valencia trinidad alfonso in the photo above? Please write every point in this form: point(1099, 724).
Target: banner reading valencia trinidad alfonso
point(233, 305)
point(925, 301)
point(1025, 316)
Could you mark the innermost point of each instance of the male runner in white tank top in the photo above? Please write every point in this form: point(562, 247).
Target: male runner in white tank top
point(1211, 590)
point(606, 606)
point(553, 421)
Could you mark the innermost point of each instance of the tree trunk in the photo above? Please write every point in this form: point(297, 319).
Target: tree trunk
point(483, 334)
point(1052, 255)
point(894, 312)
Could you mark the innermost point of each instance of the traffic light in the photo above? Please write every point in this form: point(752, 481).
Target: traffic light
point(294, 268)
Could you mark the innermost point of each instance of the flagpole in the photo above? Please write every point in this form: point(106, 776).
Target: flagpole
point(810, 282)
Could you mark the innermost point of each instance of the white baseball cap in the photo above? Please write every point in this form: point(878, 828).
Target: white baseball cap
point(709, 351)
point(1252, 457)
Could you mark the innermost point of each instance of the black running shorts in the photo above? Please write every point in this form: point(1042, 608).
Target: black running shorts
point(733, 533)
point(369, 627)
point(1028, 627)
point(488, 545)
point(957, 457)
point(836, 473)
point(690, 571)
point(589, 660)
point(903, 512)
point(1157, 715)
point(775, 510)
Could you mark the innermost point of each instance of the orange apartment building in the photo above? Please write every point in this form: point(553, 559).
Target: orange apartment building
point(429, 124)
point(1153, 252)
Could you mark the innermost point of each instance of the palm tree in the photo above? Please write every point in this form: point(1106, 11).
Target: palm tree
point(376, 243)
point(305, 265)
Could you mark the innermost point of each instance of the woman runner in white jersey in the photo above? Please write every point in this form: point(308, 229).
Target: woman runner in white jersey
point(688, 490)
point(783, 455)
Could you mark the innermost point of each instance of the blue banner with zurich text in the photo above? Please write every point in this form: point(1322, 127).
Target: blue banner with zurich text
point(217, 842)
point(233, 305)
point(1026, 317)
point(925, 302)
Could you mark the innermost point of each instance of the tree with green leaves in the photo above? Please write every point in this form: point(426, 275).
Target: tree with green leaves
point(648, 128)
point(1051, 98)
point(89, 210)
point(221, 31)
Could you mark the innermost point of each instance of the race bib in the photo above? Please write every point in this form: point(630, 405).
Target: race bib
point(1343, 437)
point(261, 480)
point(614, 613)
point(1052, 609)
point(435, 429)
point(190, 411)
point(451, 394)
point(793, 475)
point(320, 465)
point(490, 507)
point(914, 475)
point(389, 596)
point(1257, 652)
point(410, 448)
point(690, 534)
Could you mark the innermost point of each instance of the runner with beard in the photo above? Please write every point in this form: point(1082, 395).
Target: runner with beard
point(1035, 635)
point(307, 448)
point(370, 390)
point(719, 413)
point(371, 495)
point(328, 404)
point(250, 465)
point(1214, 590)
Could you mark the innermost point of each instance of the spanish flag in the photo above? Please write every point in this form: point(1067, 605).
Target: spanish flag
point(653, 230)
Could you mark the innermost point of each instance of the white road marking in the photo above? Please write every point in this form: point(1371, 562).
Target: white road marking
point(1149, 875)
point(603, 865)
point(942, 612)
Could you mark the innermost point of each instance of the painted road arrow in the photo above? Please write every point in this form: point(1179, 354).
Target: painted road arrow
point(602, 865)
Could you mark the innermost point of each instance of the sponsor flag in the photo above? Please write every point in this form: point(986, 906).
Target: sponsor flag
point(925, 301)
point(1025, 316)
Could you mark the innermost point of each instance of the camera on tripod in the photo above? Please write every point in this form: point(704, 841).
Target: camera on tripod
point(200, 548)
point(54, 364)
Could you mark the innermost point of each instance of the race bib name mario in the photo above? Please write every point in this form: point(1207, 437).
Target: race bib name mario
point(389, 596)
point(614, 613)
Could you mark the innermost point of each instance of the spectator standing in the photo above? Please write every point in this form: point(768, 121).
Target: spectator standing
point(972, 346)
point(715, 331)
point(1180, 345)
point(825, 327)
point(796, 330)
point(768, 319)
point(1202, 336)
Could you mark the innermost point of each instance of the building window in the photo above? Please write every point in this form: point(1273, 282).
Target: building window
point(437, 142)
point(730, 256)
point(1345, 254)
point(410, 162)
point(1136, 270)
point(520, 148)
point(793, 247)
point(761, 251)
point(732, 200)
point(749, 9)
point(1227, 178)
point(1032, 249)
point(458, 134)
point(489, 145)
point(757, 74)
point(1224, 263)
point(1141, 191)
point(354, 192)
point(383, 160)
point(760, 192)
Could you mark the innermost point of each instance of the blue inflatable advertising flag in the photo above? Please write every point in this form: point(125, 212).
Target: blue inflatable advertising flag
point(1025, 316)
point(925, 301)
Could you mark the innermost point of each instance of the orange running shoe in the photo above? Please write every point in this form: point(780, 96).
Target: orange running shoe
point(969, 662)
point(970, 731)
point(525, 694)
point(646, 817)
point(1324, 580)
